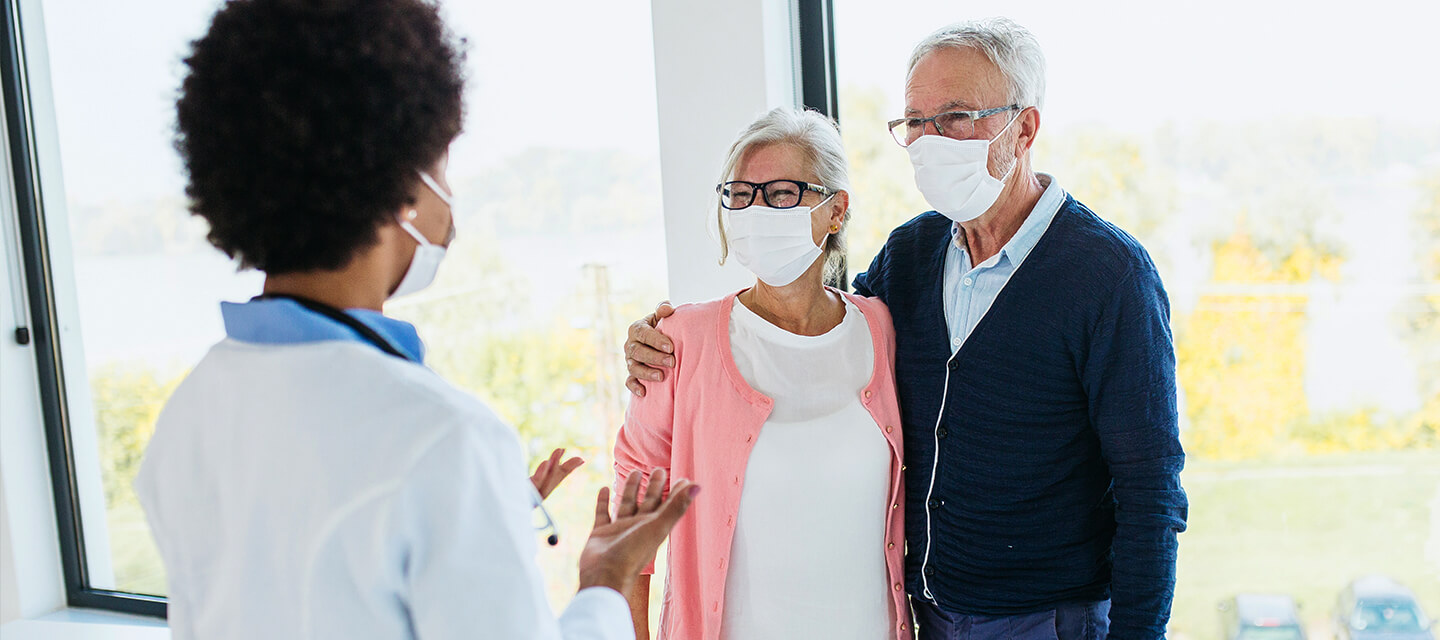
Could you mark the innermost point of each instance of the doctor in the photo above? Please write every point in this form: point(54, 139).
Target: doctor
point(311, 478)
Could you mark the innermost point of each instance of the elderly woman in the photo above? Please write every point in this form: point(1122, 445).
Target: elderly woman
point(311, 478)
point(782, 403)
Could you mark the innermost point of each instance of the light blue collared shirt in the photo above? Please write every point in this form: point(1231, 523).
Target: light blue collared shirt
point(969, 292)
point(281, 321)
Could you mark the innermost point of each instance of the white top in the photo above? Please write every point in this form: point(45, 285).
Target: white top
point(327, 490)
point(808, 560)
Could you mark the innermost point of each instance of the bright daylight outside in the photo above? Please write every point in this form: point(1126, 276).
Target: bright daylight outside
point(1280, 163)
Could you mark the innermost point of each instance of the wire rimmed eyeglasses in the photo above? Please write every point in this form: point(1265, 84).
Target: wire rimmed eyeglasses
point(776, 194)
point(959, 125)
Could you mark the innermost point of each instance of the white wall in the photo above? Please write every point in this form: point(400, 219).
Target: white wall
point(718, 65)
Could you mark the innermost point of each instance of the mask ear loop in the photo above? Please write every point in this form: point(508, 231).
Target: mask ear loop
point(410, 229)
point(997, 137)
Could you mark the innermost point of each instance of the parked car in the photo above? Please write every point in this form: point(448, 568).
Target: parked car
point(1378, 608)
point(1261, 616)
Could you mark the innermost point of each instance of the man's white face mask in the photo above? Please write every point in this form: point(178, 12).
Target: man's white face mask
point(954, 175)
point(776, 245)
point(428, 256)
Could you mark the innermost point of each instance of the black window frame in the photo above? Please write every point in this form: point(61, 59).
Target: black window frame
point(815, 44)
point(41, 335)
point(815, 27)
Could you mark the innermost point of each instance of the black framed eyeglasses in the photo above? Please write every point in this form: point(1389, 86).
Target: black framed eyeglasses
point(951, 124)
point(777, 194)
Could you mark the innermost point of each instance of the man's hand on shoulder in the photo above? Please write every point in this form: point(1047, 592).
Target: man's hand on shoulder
point(647, 351)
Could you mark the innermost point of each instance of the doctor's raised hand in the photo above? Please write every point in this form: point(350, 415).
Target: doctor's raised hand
point(620, 546)
point(551, 472)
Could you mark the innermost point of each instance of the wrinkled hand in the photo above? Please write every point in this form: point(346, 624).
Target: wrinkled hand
point(647, 350)
point(620, 546)
point(552, 472)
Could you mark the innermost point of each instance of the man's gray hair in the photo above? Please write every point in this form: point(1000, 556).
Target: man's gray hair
point(1008, 45)
point(818, 139)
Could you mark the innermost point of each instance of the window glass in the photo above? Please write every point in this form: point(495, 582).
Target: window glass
point(560, 241)
point(1280, 166)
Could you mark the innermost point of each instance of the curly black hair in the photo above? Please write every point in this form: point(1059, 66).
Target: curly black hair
point(302, 123)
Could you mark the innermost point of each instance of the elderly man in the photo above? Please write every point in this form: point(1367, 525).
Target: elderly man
point(1035, 369)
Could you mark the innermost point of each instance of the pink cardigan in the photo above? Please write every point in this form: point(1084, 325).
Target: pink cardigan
point(700, 423)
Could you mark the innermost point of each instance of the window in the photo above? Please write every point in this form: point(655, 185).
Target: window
point(560, 243)
point(1288, 186)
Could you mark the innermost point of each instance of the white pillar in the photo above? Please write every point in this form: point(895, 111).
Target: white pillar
point(719, 64)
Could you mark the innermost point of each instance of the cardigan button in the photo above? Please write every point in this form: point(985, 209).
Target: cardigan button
point(890, 546)
point(889, 428)
point(941, 433)
point(954, 364)
point(867, 394)
point(895, 506)
point(929, 571)
point(897, 586)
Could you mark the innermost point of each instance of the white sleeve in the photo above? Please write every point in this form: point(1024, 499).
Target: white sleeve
point(464, 529)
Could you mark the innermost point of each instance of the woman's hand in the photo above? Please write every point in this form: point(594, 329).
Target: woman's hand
point(552, 472)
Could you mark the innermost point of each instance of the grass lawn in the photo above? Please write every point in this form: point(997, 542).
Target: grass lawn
point(1306, 527)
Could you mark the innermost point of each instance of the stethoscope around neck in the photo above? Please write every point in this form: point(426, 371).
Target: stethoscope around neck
point(365, 332)
point(373, 337)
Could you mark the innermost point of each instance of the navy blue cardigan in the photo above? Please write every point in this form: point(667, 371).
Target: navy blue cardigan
point(1057, 456)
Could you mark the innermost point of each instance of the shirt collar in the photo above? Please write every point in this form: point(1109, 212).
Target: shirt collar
point(280, 321)
point(1030, 231)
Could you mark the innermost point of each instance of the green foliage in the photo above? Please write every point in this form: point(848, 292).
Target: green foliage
point(127, 402)
point(882, 193)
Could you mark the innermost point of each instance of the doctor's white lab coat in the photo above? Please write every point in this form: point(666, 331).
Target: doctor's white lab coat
point(328, 490)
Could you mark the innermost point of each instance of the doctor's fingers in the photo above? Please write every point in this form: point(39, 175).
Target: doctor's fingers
point(662, 520)
point(628, 495)
point(654, 491)
point(602, 507)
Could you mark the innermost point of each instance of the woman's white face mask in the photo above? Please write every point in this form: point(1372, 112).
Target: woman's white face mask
point(428, 256)
point(954, 175)
point(777, 245)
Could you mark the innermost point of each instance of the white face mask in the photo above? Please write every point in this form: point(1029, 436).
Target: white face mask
point(774, 244)
point(954, 176)
point(428, 256)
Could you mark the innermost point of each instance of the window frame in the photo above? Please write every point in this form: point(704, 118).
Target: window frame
point(41, 335)
point(815, 34)
point(815, 64)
